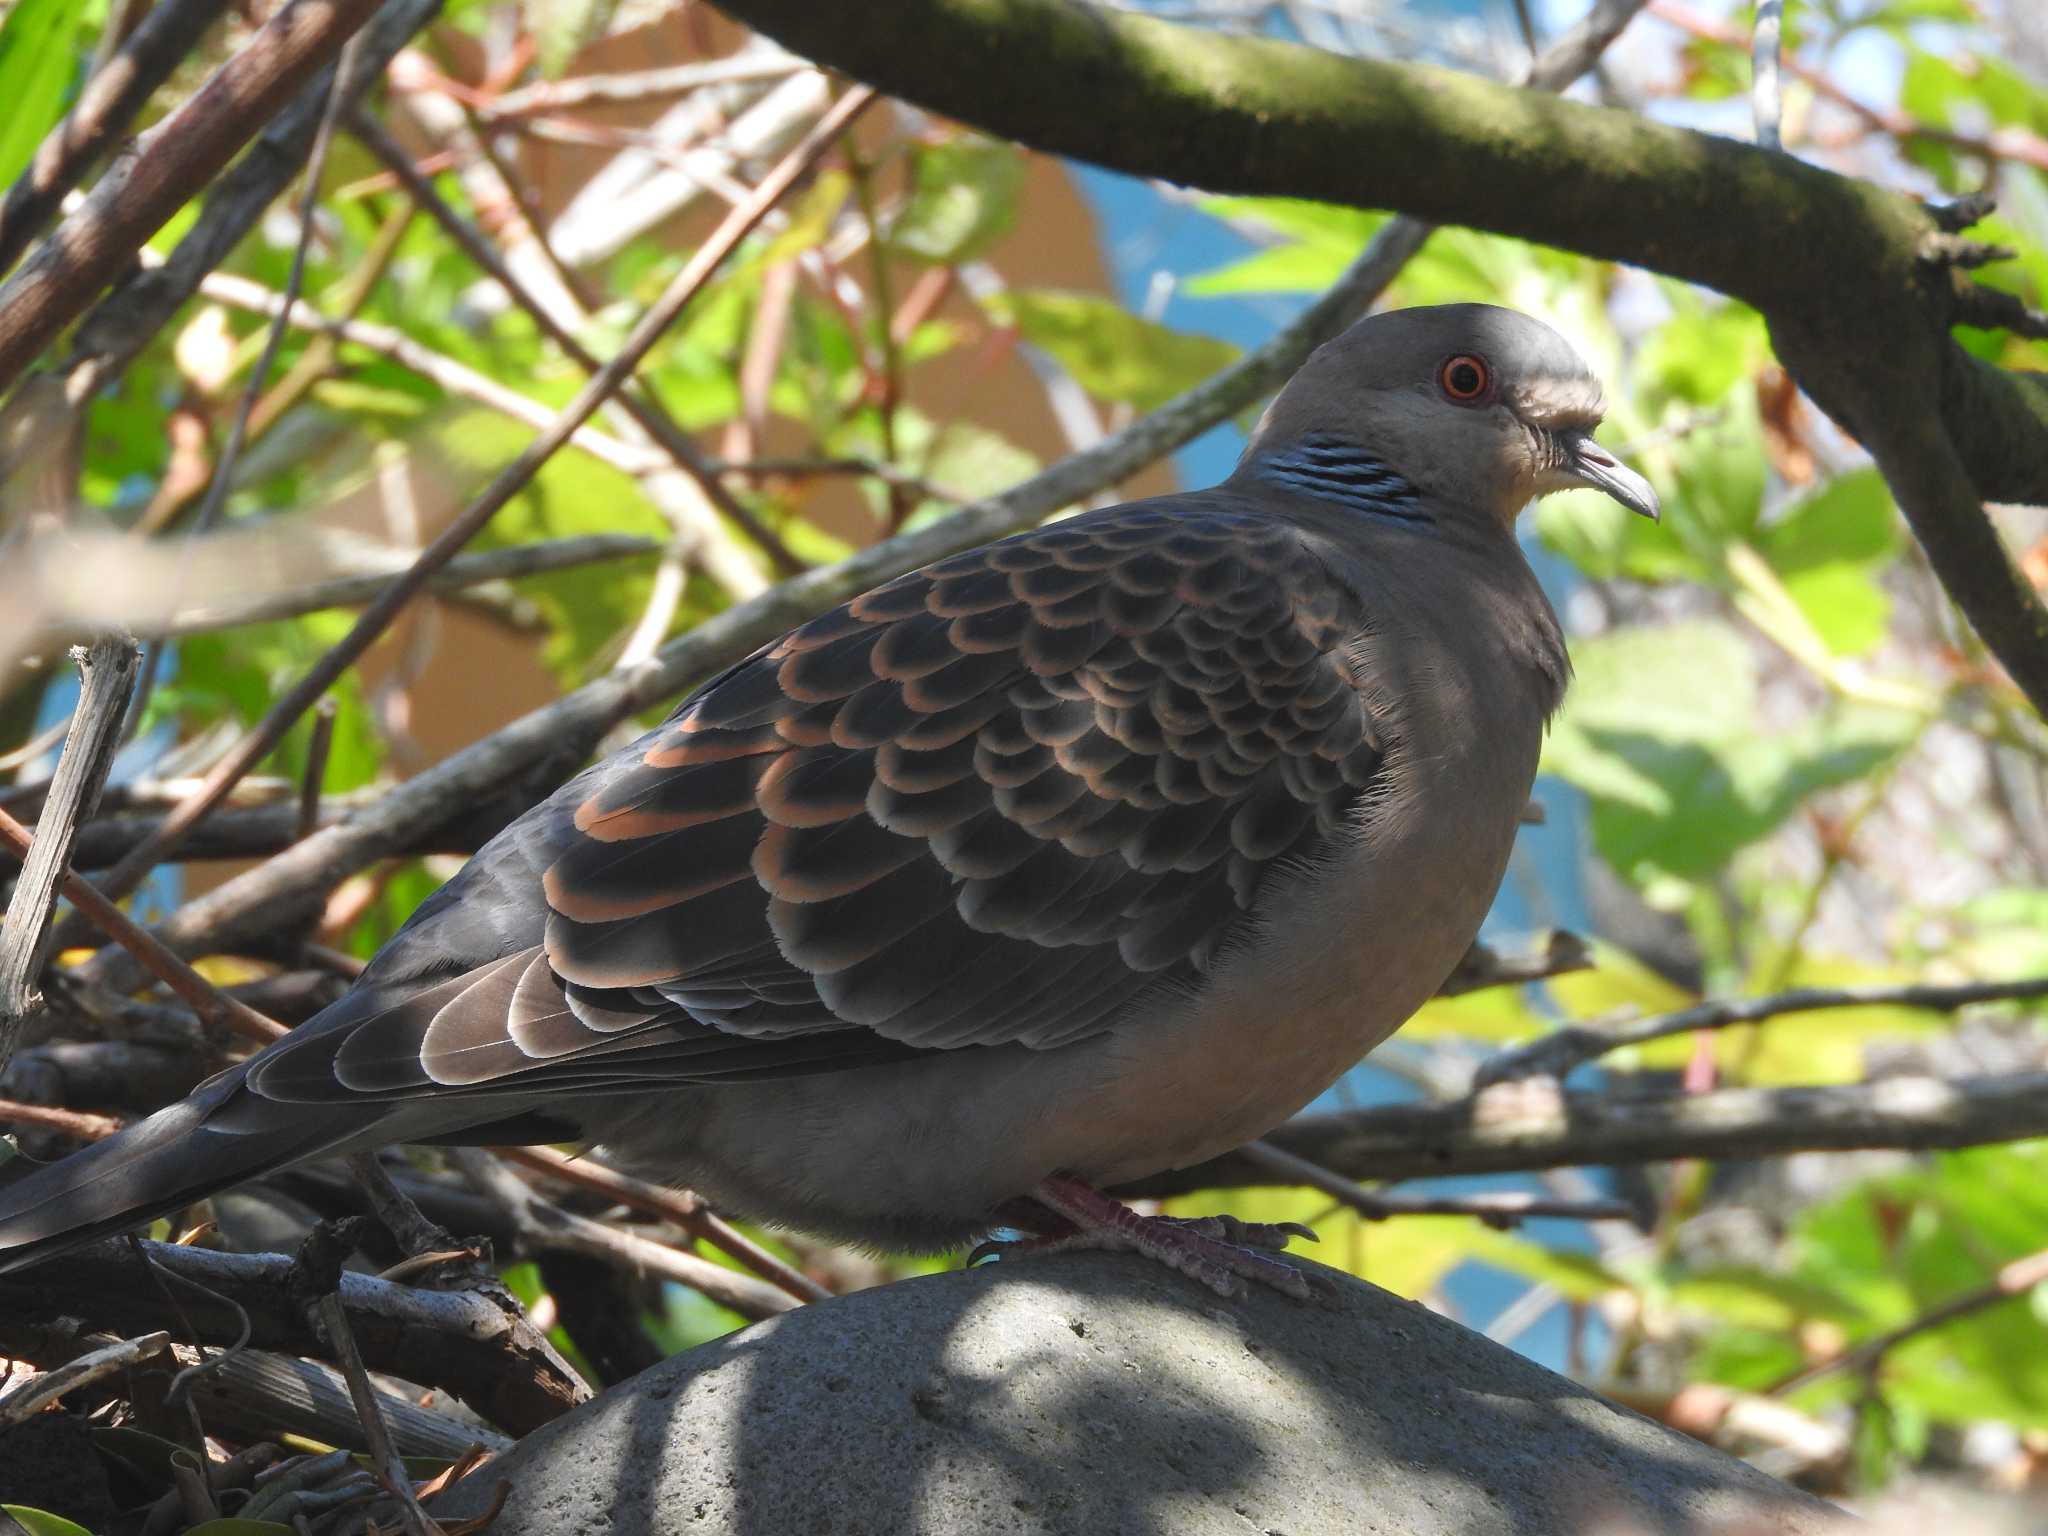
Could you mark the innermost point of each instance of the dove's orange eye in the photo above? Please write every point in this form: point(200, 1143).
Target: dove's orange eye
point(1464, 379)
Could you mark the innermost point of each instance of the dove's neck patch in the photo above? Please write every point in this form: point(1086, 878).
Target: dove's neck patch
point(1330, 468)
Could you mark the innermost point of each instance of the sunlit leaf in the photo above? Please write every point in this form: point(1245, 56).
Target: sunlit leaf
point(1660, 730)
point(38, 58)
point(963, 198)
point(1112, 353)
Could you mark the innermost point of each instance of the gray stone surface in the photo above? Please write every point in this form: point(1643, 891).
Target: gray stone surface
point(1100, 1394)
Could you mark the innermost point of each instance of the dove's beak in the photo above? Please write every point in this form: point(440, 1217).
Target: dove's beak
point(1585, 462)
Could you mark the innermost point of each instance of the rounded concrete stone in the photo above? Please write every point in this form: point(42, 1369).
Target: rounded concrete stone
point(1099, 1394)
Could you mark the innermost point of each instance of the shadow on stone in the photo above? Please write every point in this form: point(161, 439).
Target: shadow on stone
point(1102, 1394)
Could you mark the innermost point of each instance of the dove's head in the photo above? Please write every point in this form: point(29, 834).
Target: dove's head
point(1458, 414)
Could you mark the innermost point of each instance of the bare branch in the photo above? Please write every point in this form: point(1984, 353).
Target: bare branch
point(169, 166)
point(106, 673)
point(110, 99)
point(109, 1359)
point(124, 322)
point(683, 1208)
point(1508, 1131)
point(545, 1226)
point(212, 1005)
point(635, 401)
point(452, 1339)
point(637, 85)
point(508, 483)
point(1500, 1211)
point(1558, 1053)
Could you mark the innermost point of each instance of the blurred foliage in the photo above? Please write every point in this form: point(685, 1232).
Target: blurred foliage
point(1787, 749)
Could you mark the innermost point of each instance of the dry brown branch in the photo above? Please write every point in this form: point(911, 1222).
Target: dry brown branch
point(635, 401)
point(456, 1340)
point(125, 321)
point(213, 1006)
point(106, 671)
point(1500, 1211)
point(1505, 1131)
point(112, 96)
point(168, 166)
point(1558, 1053)
point(685, 1209)
point(47, 1117)
point(543, 1226)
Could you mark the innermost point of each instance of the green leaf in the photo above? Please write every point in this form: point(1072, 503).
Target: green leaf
point(1319, 241)
point(1660, 730)
point(963, 198)
point(1828, 548)
point(1113, 354)
point(1608, 542)
point(1699, 355)
point(40, 1522)
point(39, 55)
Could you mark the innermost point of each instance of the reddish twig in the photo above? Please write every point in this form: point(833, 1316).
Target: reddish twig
point(684, 1209)
point(171, 164)
point(212, 1005)
point(111, 98)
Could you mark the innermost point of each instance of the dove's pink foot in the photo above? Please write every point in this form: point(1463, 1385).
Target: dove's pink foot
point(1220, 1252)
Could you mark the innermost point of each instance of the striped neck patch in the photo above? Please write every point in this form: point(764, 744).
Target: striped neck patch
point(1330, 468)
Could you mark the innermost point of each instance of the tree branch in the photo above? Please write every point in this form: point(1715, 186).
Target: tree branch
point(112, 97)
point(169, 166)
point(452, 1339)
point(1505, 1131)
point(106, 674)
point(1254, 115)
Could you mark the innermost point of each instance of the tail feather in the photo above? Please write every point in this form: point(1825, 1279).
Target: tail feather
point(219, 1136)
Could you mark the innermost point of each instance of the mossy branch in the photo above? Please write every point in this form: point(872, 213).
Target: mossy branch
point(1840, 267)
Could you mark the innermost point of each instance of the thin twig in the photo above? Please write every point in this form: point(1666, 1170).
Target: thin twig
point(684, 1209)
point(2012, 1281)
point(212, 1005)
point(106, 671)
point(316, 765)
point(294, 285)
point(458, 379)
point(390, 1467)
point(635, 401)
point(123, 323)
point(28, 1399)
point(1558, 1053)
point(2014, 143)
point(708, 258)
point(544, 1225)
point(637, 85)
point(47, 1117)
point(1499, 1211)
point(169, 166)
point(109, 101)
